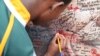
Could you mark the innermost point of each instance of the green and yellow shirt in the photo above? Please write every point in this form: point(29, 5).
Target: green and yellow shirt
point(14, 40)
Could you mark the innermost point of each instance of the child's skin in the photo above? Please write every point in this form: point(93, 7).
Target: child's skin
point(53, 47)
point(41, 12)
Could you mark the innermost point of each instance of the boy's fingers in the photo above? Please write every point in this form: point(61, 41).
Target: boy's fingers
point(56, 37)
point(63, 41)
point(61, 38)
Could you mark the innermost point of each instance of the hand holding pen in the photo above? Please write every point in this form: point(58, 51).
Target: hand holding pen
point(56, 45)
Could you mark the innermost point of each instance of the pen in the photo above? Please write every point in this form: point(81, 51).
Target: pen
point(59, 45)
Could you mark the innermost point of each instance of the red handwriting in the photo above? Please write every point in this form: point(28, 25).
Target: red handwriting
point(73, 8)
point(70, 35)
point(64, 33)
point(94, 52)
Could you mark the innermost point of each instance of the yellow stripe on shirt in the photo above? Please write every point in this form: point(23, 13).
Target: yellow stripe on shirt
point(6, 34)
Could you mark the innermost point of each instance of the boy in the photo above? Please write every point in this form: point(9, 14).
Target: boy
point(14, 15)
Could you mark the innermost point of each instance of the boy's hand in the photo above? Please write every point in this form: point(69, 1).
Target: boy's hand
point(53, 46)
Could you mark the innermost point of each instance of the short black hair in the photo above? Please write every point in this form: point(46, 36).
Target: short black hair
point(67, 1)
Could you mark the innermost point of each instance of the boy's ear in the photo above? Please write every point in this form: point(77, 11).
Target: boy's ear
point(57, 4)
point(60, 3)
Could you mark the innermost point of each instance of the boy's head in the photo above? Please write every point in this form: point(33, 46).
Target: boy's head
point(45, 10)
